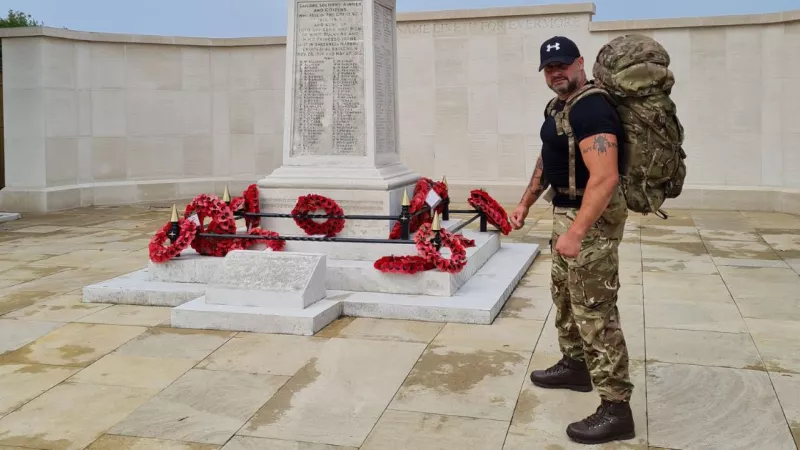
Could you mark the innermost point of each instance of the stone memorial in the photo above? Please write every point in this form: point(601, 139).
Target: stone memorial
point(340, 143)
point(340, 125)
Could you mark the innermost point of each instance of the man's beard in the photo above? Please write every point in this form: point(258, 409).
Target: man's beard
point(564, 88)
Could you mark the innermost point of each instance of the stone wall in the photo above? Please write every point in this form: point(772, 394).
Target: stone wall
point(98, 119)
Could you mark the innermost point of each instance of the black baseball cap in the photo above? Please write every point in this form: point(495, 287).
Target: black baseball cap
point(558, 49)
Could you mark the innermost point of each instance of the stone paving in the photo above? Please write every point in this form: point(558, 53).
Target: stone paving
point(710, 306)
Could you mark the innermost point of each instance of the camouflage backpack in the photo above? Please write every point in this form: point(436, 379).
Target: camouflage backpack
point(632, 73)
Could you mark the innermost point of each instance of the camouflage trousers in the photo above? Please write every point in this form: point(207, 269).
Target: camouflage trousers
point(584, 291)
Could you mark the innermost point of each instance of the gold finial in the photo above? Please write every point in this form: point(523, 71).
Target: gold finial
point(444, 180)
point(226, 196)
point(437, 222)
point(406, 201)
point(174, 217)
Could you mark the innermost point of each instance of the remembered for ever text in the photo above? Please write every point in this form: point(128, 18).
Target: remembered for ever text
point(329, 79)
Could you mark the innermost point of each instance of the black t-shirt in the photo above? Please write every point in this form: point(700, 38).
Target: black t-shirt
point(591, 115)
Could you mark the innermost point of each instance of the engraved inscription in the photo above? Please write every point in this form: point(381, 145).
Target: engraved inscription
point(488, 26)
point(329, 79)
point(383, 27)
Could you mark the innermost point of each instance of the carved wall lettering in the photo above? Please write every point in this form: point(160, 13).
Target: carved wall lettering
point(488, 25)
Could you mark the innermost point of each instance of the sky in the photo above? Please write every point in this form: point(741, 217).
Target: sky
point(245, 18)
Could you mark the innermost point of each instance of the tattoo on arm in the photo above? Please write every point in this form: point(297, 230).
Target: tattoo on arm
point(538, 182)
point(538, 175)
point(601, 144)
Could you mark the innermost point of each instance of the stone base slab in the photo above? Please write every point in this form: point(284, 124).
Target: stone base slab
point(352, 201)
point(361, 276)
point(137, 288)
point(478, 301)
point(189, 267)
point(357, 190)
point(198, 314)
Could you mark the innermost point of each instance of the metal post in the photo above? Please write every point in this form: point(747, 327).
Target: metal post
point(405, 217)
point(226, 196)
point(484, 223)
point(436, 226)
point(174, 227)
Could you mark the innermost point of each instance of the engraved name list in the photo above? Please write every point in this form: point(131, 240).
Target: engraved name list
point(329, 79)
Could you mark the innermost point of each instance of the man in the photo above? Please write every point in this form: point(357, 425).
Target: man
point(587, 229)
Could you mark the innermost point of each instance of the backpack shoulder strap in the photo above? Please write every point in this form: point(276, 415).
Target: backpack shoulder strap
point(551, 105)
point(562, 121)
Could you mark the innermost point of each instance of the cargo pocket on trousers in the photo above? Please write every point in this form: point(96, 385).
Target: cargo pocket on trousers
point(596, 273)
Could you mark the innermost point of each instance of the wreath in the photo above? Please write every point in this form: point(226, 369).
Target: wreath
point(222, 222)
point(312, 202)
point(159, 253)
point(403, 264)
point(250, 196)
point(275, 244)
point(495, 214)
point(424, 243)
point(417, 203)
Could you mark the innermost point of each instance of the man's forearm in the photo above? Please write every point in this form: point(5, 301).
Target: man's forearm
point(536, 186)
point(597, 195)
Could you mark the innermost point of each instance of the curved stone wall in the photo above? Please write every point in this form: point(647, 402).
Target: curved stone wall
point(99, 119)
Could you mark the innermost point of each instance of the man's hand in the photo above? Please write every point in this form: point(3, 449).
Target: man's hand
point(568, 245)
point(517, 217)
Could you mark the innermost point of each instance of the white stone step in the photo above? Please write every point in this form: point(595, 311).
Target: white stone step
point(354, 251)
point(361, 276)
point(198, 314)
point(478, 301)
point(137, 288)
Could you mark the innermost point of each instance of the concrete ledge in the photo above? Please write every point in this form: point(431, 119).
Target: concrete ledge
point(88, 36)
point(697, 22)
point(510, 11)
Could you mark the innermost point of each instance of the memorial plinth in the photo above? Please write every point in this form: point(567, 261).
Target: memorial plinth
point(340, 126)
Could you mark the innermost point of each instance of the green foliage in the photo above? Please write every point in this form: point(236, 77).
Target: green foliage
point(18, 19)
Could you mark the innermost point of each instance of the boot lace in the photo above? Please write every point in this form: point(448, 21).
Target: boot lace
point(558, 367)
point(599, 417)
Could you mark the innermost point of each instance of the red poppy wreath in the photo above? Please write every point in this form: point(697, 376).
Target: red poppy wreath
point(424, 243)
point(275, 244)
point(161, 254)
point(310, 203)
point(250, 196)
point(409, 264)
point(222, 222)
point(417, 202)
point(495, 214)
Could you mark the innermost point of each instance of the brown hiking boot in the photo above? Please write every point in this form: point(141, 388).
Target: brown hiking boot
point(565, 374)
point(611, 422)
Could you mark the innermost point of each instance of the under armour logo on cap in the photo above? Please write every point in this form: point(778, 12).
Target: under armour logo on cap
point(558, 49)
